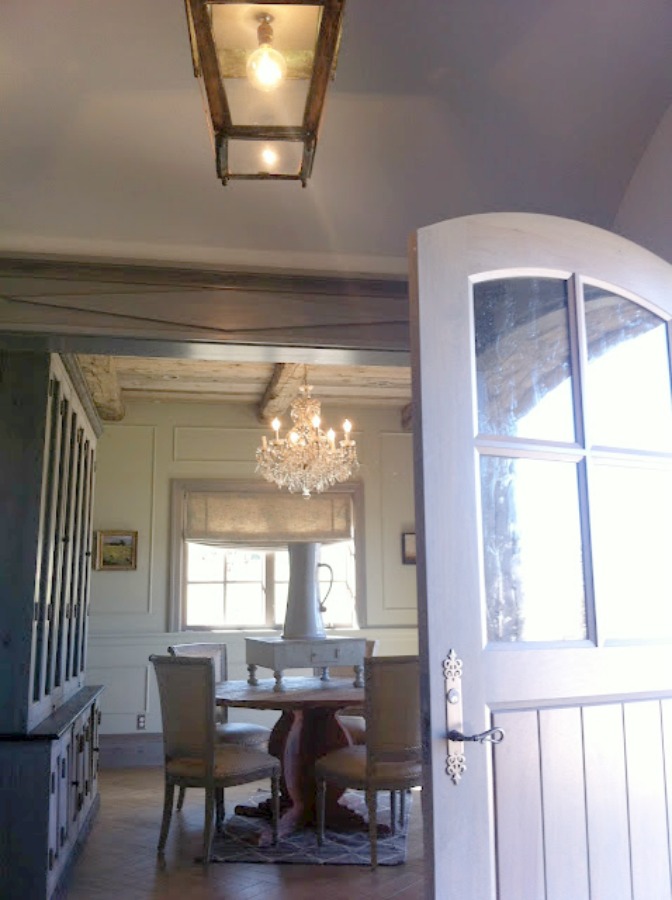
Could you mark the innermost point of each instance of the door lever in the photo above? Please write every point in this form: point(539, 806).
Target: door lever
point(491, 736)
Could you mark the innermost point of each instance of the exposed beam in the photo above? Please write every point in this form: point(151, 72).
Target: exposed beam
point(101, 377)
point(281, 390)
point(169, 304)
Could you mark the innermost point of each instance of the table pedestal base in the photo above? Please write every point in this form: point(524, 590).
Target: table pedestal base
point(299, 738)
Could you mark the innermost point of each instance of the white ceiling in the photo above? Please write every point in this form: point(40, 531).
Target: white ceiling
point(439, 108)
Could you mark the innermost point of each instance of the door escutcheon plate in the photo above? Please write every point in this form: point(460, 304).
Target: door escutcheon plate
point(452, 672)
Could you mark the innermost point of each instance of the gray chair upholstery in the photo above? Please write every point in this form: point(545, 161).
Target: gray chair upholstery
point(391, 758)
point(191, 757)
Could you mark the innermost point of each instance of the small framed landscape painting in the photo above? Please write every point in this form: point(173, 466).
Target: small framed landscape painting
point(116, 551)
point(408, 548)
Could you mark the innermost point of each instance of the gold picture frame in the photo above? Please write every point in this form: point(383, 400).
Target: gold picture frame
point(116, 551)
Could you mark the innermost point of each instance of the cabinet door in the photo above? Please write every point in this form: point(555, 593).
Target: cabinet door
point(64, 794)
point(96, 718)
point(42, 637)
point(76, 801)
point(53, 854)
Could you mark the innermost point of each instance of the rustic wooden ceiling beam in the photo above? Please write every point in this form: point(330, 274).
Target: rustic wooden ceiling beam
point(281, 390)
point(101, 377)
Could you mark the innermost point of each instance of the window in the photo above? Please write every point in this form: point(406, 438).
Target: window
point(230, 565)
point(246, 586)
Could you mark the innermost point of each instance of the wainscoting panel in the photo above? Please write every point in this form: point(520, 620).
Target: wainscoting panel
point(582, 802)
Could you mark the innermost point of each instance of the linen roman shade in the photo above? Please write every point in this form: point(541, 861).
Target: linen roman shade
point(266, 519)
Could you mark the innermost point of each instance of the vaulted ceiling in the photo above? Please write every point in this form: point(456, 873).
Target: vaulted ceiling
point(439, 108)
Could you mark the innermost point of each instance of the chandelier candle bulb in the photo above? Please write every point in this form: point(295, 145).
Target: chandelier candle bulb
point(307, 459)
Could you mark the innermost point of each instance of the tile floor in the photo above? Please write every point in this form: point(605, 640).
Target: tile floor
point(119, 860)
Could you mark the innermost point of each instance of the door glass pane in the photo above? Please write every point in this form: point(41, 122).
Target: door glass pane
point(629, 396)
point(632, 534)
point(532, 550)
point(523, 365)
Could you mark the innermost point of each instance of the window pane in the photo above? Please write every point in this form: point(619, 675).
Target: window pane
point(281, 588)
point(628, 392)
point(244, 565)
point(523, 358)
point(204, 563)
point(532, 550)
point(281, 565)
point(245, 604)
point(205, 605)
point(340, 607)
point(632, 535)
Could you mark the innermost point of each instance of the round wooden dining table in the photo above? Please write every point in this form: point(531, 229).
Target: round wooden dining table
point(307, 729)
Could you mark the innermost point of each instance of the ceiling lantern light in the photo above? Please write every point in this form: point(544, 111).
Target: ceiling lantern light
point(307, 459)
point(264, 69)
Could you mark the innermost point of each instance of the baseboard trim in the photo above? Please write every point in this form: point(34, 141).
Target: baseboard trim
point(123, 751)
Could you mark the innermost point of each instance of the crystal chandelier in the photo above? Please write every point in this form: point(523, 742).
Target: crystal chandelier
point(307, 458)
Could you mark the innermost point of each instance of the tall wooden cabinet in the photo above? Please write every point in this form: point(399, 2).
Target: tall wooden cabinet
point(48, 718)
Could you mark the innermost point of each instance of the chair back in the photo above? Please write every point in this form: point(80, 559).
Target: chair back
point(392, 709)
point(187, 695)
point(216, 652)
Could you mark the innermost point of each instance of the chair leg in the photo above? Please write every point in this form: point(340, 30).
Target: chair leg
point(169, 791)
point(219, 807)
point(275, 799)
point(180, 798)
point(207, 830)
point(321, 786)
point(371, 805)
point(402, 808)
point(393, 812)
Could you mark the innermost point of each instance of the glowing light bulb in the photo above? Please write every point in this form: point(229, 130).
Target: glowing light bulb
point(316, 421)
point(331, 436)
point(347, 426)
point(269, 156)
point(275, 425)
point(293, 436)
point(266, 68)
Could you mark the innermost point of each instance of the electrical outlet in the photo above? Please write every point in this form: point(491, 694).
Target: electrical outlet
point(141, 722)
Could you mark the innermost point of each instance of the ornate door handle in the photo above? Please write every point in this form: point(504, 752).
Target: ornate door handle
point(456, 763)
point(491, 736)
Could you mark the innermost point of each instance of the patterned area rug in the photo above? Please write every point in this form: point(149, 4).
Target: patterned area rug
point(340, 848)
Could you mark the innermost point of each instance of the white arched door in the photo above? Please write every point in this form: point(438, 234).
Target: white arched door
point(543, 443)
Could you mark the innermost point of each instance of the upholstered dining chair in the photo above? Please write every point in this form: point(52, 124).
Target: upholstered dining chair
point(246, 734)
point(391, 758)
point(191, 756)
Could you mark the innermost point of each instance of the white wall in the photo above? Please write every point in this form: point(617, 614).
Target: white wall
point(157, 442)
